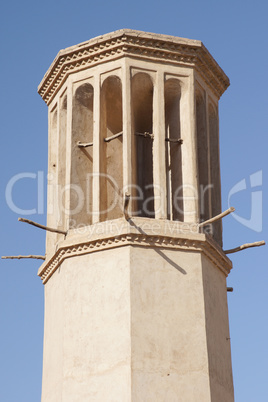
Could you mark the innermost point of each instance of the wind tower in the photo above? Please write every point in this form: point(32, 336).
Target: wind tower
point(135, 290)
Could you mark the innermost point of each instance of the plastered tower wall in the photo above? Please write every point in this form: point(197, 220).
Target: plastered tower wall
point(135, 309)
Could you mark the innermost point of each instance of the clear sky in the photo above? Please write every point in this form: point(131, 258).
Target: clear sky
point(32, 32)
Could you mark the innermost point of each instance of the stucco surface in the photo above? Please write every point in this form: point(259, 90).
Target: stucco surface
point(87, 330)
point(169, 351)
point(136, 324)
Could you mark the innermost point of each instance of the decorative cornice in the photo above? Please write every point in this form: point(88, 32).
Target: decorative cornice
point(138, 44)
point(195, 242)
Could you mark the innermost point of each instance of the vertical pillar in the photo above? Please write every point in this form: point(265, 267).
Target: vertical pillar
point(96, 151)
point(58, 189)
point(52, 177)
point(160, 202)
point(61, 172)
point(68, 165)
point(127, 132)
point(189, 151)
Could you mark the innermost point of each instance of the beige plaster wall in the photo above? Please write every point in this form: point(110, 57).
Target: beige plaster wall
point(217, 330)
point(169, 350)
point(87, 330)
point(137, 324)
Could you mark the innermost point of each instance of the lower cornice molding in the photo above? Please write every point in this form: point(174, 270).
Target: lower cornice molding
point(73, 247)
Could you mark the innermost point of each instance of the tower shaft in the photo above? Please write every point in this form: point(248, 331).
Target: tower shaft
point(135, 301)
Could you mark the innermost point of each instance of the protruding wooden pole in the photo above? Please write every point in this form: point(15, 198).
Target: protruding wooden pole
point(146, 134)
point(42, 226)
point(244, 246)
point(217, 217)
point(84, 144)
point(19, 257)
point(174, 141)
point(126, 204)
point(112, 137)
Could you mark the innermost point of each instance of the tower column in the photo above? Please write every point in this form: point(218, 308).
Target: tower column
point(135, 309)
point(96, 152)
point(189, 151)
point(67, 192)
point(127, 131)
point(160, 202)
point(52, 177)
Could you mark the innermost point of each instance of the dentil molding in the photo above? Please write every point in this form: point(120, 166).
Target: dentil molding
point(138, 44)
point(139, 232)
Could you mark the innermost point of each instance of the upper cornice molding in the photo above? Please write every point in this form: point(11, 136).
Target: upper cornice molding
point(139, 232)
point(142, 45)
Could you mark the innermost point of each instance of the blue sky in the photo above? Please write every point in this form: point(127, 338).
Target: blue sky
point(235, 33)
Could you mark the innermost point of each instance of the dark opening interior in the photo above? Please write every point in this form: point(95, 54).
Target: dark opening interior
point(111, 152)
point(173, 150)
point(202, 155)
point(82, 158)
point(215, 172)
point(142, 122)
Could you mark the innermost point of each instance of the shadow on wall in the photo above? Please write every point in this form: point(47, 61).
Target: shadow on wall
point(159, 252)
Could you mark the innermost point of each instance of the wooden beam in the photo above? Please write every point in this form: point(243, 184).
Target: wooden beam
point(42, 226)
point(217, 217)
point(244, 246)
point(18, 257)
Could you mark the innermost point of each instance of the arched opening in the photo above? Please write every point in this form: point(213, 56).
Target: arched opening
point(111, 149)
point(82, 158)
point(202, 157)
point(173, 150)
point(62, 162)
point(142, 129)
point(215, 171)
